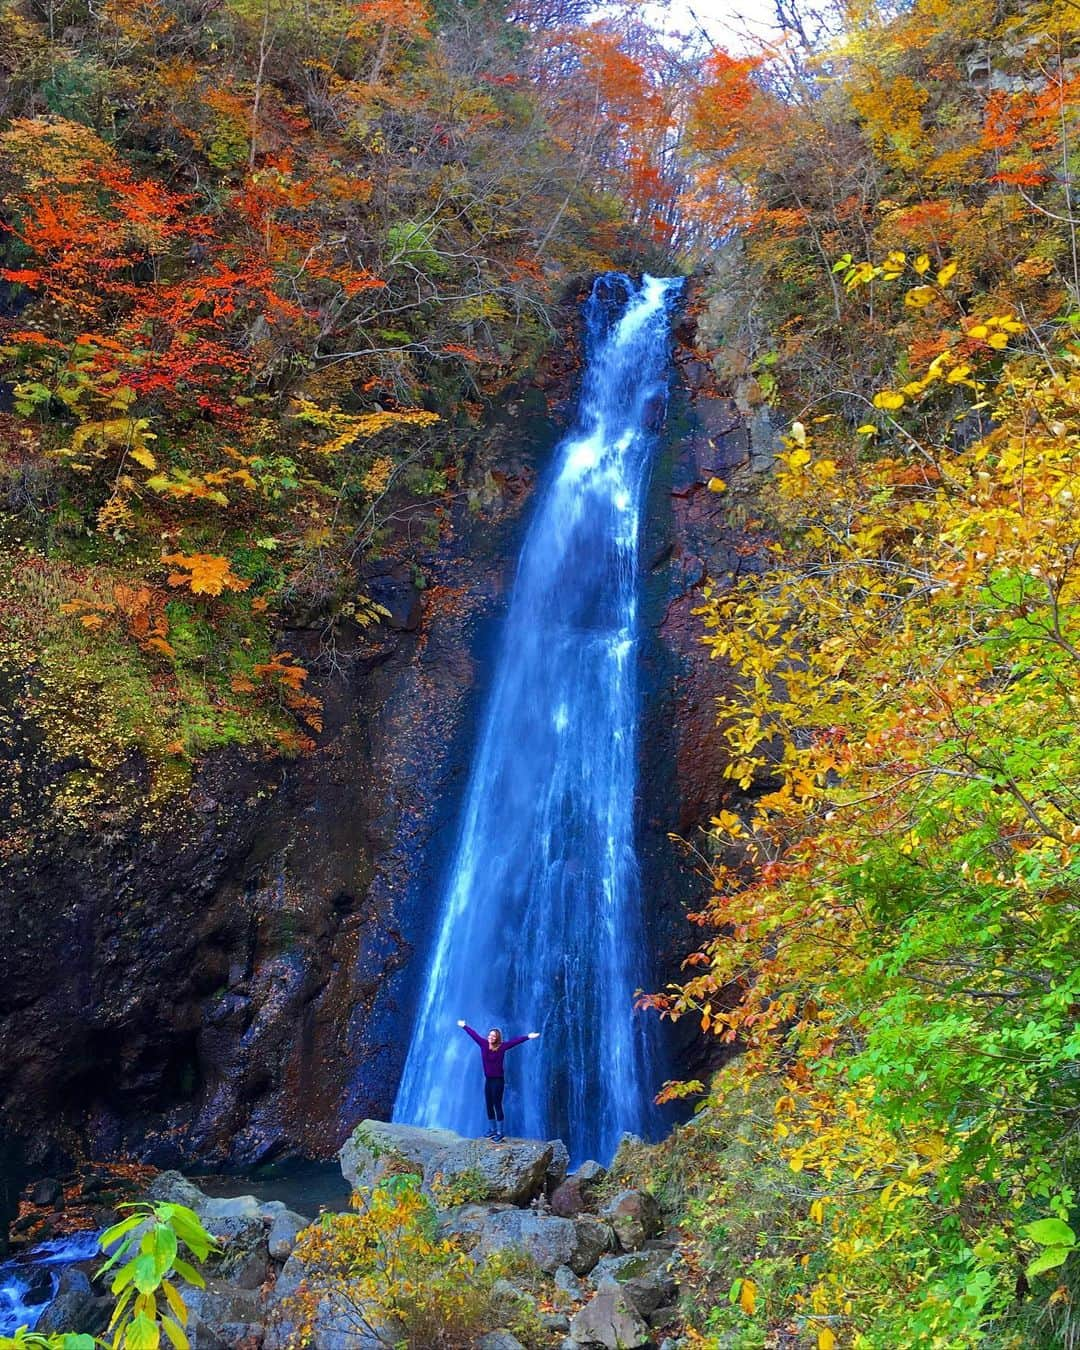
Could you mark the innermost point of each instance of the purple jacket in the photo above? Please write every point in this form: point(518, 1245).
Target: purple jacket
point(493, 1059)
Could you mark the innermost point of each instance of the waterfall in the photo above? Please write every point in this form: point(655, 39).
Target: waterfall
point(29, 1281)
point(540, 926)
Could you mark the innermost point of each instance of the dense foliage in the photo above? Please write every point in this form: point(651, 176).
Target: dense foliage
point(386, 1273)
point(263, 264)
point(892, 934)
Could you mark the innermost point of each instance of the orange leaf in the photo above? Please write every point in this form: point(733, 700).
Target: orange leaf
point(206, 573)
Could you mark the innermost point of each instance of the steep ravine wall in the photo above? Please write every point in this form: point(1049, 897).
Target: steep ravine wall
point(228, 979)
point(235, 980)
point(691, 535)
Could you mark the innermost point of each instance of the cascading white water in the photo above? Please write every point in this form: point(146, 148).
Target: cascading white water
point(28, 1282)
point(540, 927)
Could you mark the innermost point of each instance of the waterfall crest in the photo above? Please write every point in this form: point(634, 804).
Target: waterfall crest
point(540, 926)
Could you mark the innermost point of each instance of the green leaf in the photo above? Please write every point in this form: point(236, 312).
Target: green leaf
point(165, 1246)
point(1050, 1260)
point(1050, 1233)
point(142, 1333)
point(185, 1224)
point(146, 1275)
point(189, 1273)
point(123, 1277)
point(117, 1231)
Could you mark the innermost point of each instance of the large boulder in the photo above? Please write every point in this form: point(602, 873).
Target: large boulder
point(635, 1217)
point(513, 1172)
point(75, 1307)
point(285, 1226)
point(376, 1148)
point(467, 1221)
point(578, 1191)
point(594, 1238)
point(223, 1316)
point(609, 1319)
point(175, 1188)
point(647, 1278)
point(550, 1241)
point(558, 1167)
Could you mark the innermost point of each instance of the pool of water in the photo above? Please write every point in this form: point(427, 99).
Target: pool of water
point(304, 1186)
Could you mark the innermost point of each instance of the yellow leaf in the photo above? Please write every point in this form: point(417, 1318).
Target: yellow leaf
point(729, 822)
point(716, 485)
point(825, 1339)
point(748, 1297)
point(141, 455)
point(922, 264)
point(888, 399)
point(919, 296)
point(893, 265)
point(798, 458)
point(867, 429)
point(946, 274)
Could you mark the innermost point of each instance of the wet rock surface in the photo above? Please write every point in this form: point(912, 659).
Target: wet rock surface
point(718, 431)
point(224, 979)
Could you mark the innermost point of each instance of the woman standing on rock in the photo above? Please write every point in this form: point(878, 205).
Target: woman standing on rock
point(491, 1052)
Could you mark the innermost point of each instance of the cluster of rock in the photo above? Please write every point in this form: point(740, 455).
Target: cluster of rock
point(255, 1237)
point(609, 1269)
point(601, 1246)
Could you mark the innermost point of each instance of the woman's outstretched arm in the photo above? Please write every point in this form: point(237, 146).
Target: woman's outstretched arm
point(474, 1034)
point(520, 1040)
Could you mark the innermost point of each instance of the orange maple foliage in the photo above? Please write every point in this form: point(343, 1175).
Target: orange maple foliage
point(204, 573)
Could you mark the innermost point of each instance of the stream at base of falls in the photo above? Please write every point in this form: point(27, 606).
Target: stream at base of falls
point(28, 1282)
point(540, 927)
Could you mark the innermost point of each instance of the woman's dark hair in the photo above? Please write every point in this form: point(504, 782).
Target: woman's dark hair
point(498, 1035)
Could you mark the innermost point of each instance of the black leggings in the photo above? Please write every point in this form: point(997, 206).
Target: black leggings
point(493, 1095)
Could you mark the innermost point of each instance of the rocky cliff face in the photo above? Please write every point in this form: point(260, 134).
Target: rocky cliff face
point(232, 979)
point(227, 979)
point(717, 428)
